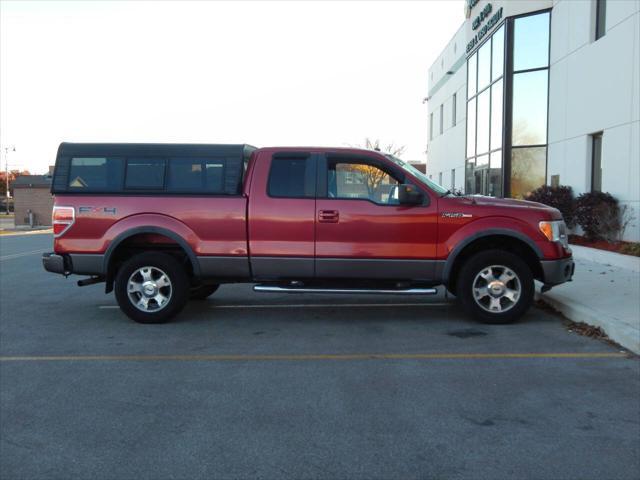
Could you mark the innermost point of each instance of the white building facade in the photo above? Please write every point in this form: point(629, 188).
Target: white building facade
point(529, 92)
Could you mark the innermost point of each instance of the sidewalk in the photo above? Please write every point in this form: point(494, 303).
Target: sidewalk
point(605, 292)
point(7, 227)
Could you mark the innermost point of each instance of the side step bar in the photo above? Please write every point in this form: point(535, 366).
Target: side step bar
point(389, 291)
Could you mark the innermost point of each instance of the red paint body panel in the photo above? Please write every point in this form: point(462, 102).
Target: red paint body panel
point(210, 225)
point(489, 214)
point(278, 227)
point(367, 230)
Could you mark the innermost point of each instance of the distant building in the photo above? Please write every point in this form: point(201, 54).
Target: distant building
point(539, 92)
point(32, 193)
point(420, 166)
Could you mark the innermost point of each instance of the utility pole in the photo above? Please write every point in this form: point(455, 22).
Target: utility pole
point(12, 148)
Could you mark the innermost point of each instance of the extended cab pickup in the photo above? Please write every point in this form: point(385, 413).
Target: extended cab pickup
point(162, 223)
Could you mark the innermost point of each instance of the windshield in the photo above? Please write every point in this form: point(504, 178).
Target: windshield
point(407, 167)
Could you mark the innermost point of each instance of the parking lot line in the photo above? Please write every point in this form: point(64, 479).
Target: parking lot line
point(21, 254)
point(314, 357)
point(316, 305)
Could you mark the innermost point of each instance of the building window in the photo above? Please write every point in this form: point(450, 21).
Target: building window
point(529, 99)
point(440, 178)
point(485, 73)
point(601, 18)
point(431, 126)
point(453, 179)
point(453, 110)
point(596, 162)
point(441, 119)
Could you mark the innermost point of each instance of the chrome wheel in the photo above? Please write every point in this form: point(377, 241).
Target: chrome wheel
point(496, 289)
point(149, 289)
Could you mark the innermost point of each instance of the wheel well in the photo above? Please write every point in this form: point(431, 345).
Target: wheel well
point(145, 242)
point(495, 242)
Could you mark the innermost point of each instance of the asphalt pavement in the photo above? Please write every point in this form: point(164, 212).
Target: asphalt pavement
point(249, 385)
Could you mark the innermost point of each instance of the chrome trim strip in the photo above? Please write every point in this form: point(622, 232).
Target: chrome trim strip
point(408, 291)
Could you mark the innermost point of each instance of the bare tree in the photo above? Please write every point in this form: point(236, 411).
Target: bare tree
point(391, 148)
point(373, 176)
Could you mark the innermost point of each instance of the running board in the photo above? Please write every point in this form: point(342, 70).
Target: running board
point(388, 291)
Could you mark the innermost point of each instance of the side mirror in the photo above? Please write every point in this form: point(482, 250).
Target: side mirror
point(409, 195)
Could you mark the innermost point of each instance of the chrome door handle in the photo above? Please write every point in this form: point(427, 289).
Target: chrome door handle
point(328, 216)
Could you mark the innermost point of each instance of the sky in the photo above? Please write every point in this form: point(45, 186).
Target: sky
point(324, 73)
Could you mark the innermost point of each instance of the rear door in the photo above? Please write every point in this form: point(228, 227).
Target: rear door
point(362, 231)
point(282, 215)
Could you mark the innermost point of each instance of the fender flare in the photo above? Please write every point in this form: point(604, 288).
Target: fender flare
point(154, 230)
point(451, 259)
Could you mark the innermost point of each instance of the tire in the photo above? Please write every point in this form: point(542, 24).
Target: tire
point(201, 292)
point(147, 275)
point(504, 287)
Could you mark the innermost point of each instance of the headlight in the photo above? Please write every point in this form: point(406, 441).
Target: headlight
point(555, 231)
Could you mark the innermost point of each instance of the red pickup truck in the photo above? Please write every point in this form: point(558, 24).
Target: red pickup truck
point(162, 223)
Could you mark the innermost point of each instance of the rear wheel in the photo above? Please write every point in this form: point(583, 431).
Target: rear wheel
point(201, 292)
point(495, 287)
point(151, 287)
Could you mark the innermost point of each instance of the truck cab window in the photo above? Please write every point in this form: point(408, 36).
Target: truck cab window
point(291, 177)
point(360, 180)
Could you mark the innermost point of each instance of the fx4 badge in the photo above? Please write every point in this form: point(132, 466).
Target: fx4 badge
point(456, 215)
point(106, 210)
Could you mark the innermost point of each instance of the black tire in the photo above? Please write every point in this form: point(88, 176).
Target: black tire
point(201, 292)
point(156, 261)
point(480, 264)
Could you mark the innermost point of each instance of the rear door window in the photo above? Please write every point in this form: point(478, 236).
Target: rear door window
point(96, 174)
point(292, 177)
point(145, 173)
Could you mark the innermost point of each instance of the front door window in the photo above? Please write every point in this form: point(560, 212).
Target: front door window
point(354, 180)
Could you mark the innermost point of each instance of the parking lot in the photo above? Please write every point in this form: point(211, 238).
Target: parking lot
point(249, 385)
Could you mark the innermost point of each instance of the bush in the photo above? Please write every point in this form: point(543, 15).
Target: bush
point(560, 197)
point(631, 249)
point(598, 214)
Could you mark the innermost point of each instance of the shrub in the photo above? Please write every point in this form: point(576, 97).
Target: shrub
point(560, 197)
point(598, 214)
point(631, 249)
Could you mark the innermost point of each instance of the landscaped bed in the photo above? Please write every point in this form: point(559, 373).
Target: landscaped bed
point(627, 248)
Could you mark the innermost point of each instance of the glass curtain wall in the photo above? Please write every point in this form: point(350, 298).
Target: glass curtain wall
point(529, 103)
point(485, 94)
point(521, 130)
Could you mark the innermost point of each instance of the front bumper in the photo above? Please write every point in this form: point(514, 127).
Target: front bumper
point(55, 263)
point(558, 271)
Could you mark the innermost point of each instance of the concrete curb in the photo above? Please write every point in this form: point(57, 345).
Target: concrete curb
point(616, 329)
point(605, 257)
point(577, 302)
point(13, 233)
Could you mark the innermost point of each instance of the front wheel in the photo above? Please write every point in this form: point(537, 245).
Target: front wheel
point(495, 287)
point(151, 287)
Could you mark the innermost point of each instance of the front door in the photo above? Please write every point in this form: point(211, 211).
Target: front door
point(362, 231)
